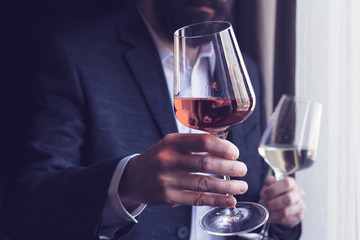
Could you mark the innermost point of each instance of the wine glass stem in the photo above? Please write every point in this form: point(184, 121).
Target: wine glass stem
point(279, 175)
point(223, 136)
point(265, 230)
point(226, 177)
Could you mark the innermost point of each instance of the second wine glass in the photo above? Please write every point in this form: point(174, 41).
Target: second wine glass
point(213, 93)
point(290, 141)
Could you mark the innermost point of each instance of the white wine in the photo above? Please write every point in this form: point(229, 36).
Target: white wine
point(287, 160)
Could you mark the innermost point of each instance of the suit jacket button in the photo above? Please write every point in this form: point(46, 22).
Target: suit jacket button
point(182, 232)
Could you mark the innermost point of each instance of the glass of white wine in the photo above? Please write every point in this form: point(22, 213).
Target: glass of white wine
point(290, 141)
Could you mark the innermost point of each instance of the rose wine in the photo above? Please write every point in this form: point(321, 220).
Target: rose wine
point(213, 115)
point(287, 160)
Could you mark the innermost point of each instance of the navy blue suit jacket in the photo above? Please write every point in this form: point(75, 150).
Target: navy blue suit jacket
point(99, 95)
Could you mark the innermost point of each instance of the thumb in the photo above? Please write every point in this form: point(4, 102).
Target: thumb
point(270, 180)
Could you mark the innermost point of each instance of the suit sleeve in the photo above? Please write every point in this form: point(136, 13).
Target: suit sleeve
point(59, 194)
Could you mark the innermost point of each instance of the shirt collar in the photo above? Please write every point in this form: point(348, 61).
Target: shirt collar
point(164, 51)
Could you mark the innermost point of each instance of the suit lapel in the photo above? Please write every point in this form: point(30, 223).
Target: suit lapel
point(144, 62)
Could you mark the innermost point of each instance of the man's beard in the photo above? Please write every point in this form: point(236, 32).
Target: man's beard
point(174, 14)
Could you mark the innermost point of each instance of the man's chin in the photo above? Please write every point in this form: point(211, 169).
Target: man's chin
point(174, 20)
point(197, 15)
point(201, 10)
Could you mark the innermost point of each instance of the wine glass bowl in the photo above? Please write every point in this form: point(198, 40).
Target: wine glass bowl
point(212, 90)
point(290, 142)
point(213, 93)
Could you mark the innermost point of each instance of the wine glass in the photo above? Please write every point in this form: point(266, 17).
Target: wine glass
point(213, 93)
point(290, 141)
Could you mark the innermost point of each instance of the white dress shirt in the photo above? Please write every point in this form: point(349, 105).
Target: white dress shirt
point(115, 215)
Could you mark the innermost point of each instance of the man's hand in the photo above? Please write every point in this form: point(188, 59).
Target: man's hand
point(284, 200)
point(165, 173)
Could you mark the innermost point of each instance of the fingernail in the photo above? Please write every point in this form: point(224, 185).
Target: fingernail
point(230, 201)
point(243, 187)
point(236, 153)
point(243, 170)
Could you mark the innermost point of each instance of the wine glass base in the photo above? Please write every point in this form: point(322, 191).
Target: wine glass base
point(244, 217)
point(254, 236)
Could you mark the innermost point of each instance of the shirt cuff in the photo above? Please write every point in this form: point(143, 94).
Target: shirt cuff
point(114, 215)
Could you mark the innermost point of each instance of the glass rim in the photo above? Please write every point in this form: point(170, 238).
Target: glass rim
point(303, 99)
point(176, 33)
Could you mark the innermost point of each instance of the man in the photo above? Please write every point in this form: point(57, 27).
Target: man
point(102, 155)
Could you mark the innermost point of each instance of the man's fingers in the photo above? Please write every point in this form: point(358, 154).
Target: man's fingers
point(290, 198)
point(199, 153)
point(270, 180)
point(169, 167)
point(284, 200)
point(290, 216)
point(278, 188)
point(201, 183)
point(187, 143)
point(208, 163)
point(202, 199)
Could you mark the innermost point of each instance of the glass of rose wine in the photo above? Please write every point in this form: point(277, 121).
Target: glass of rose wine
point(290, 141)
point(213, 93)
